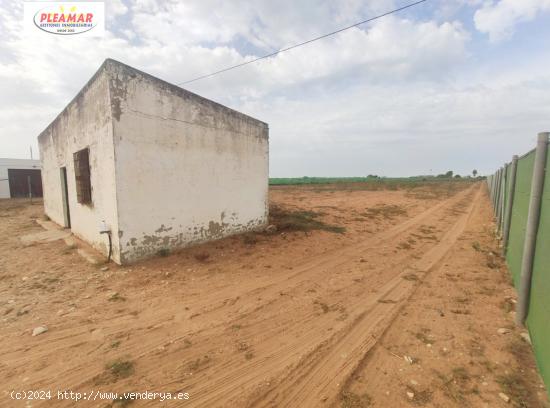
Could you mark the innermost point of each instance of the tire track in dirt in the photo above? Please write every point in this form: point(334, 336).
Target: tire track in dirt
point(306, 346)
point(307, 343)
point(323, 381)
point(301, 272)
point(311, 268)
point(313, 338)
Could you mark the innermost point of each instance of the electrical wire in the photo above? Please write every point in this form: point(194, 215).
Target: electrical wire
point(303, 43)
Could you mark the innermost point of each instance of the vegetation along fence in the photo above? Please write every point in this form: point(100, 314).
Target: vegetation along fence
point(520, 194)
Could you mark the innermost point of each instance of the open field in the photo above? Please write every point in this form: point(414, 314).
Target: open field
point(386, 298)
point(373, 182)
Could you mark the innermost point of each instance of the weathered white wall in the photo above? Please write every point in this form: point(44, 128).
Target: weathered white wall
point(6, 164)
point(188, 169)
point(86, 122)
point(168, 168)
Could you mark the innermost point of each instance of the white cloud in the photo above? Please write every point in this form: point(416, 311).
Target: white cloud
point(405, 129)
point(387, 98)
point(499, 19)
point(115, 8)
point(391, 50)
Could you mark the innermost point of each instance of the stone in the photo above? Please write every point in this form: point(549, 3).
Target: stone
point(39, 330)
point(271, 229)
point(113, 295)
point(105, 268)
point(410, 395)
point(503, 330)
point(504, 397)
point(525, 336)
point(413, 382)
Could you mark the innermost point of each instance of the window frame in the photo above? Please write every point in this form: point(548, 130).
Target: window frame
point(83, 176)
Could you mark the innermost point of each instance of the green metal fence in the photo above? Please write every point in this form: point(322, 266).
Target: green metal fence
point(518, 219)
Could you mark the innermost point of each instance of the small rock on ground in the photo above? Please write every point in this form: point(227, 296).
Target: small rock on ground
point(504, 397)
point(39, 330)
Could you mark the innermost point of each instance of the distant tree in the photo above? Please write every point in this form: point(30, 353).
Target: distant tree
point(474, 172)
point(458, 176)
point(449, 174)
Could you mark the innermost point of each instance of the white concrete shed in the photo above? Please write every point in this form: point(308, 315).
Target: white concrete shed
point(162, 167)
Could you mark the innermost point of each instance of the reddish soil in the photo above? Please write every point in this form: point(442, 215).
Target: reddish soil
point(409, 299)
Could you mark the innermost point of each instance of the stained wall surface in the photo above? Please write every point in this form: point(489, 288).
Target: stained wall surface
point(168, 167)
point(188, 169)
point(84, 123)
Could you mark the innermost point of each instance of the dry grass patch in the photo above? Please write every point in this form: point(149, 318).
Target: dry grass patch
point(455, 385)
point(421, 397)
point(114, 371)
point(424, 336)
point(385, 211)
point(323, 306)
point(516, 387)
point(349, 399)
point(199, 363)
point(287, 220)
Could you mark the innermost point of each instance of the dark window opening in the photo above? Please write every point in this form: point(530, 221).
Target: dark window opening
point(82, 176)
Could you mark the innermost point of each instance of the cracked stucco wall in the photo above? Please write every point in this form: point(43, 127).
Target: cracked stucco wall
point(188, 170)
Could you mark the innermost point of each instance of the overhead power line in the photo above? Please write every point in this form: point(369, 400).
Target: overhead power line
point(303, 43)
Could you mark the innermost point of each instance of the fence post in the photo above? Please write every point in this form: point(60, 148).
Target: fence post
point(500, 199)
point(496, 190)
point(497, 199)
point(495, 177)
point(503, 197)
point(533, 219)
point(509, 205)
point(495, 184)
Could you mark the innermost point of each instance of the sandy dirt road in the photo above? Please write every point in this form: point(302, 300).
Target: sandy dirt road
point(282, 320)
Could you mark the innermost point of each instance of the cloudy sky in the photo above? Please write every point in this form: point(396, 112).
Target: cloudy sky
point(450, 84)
